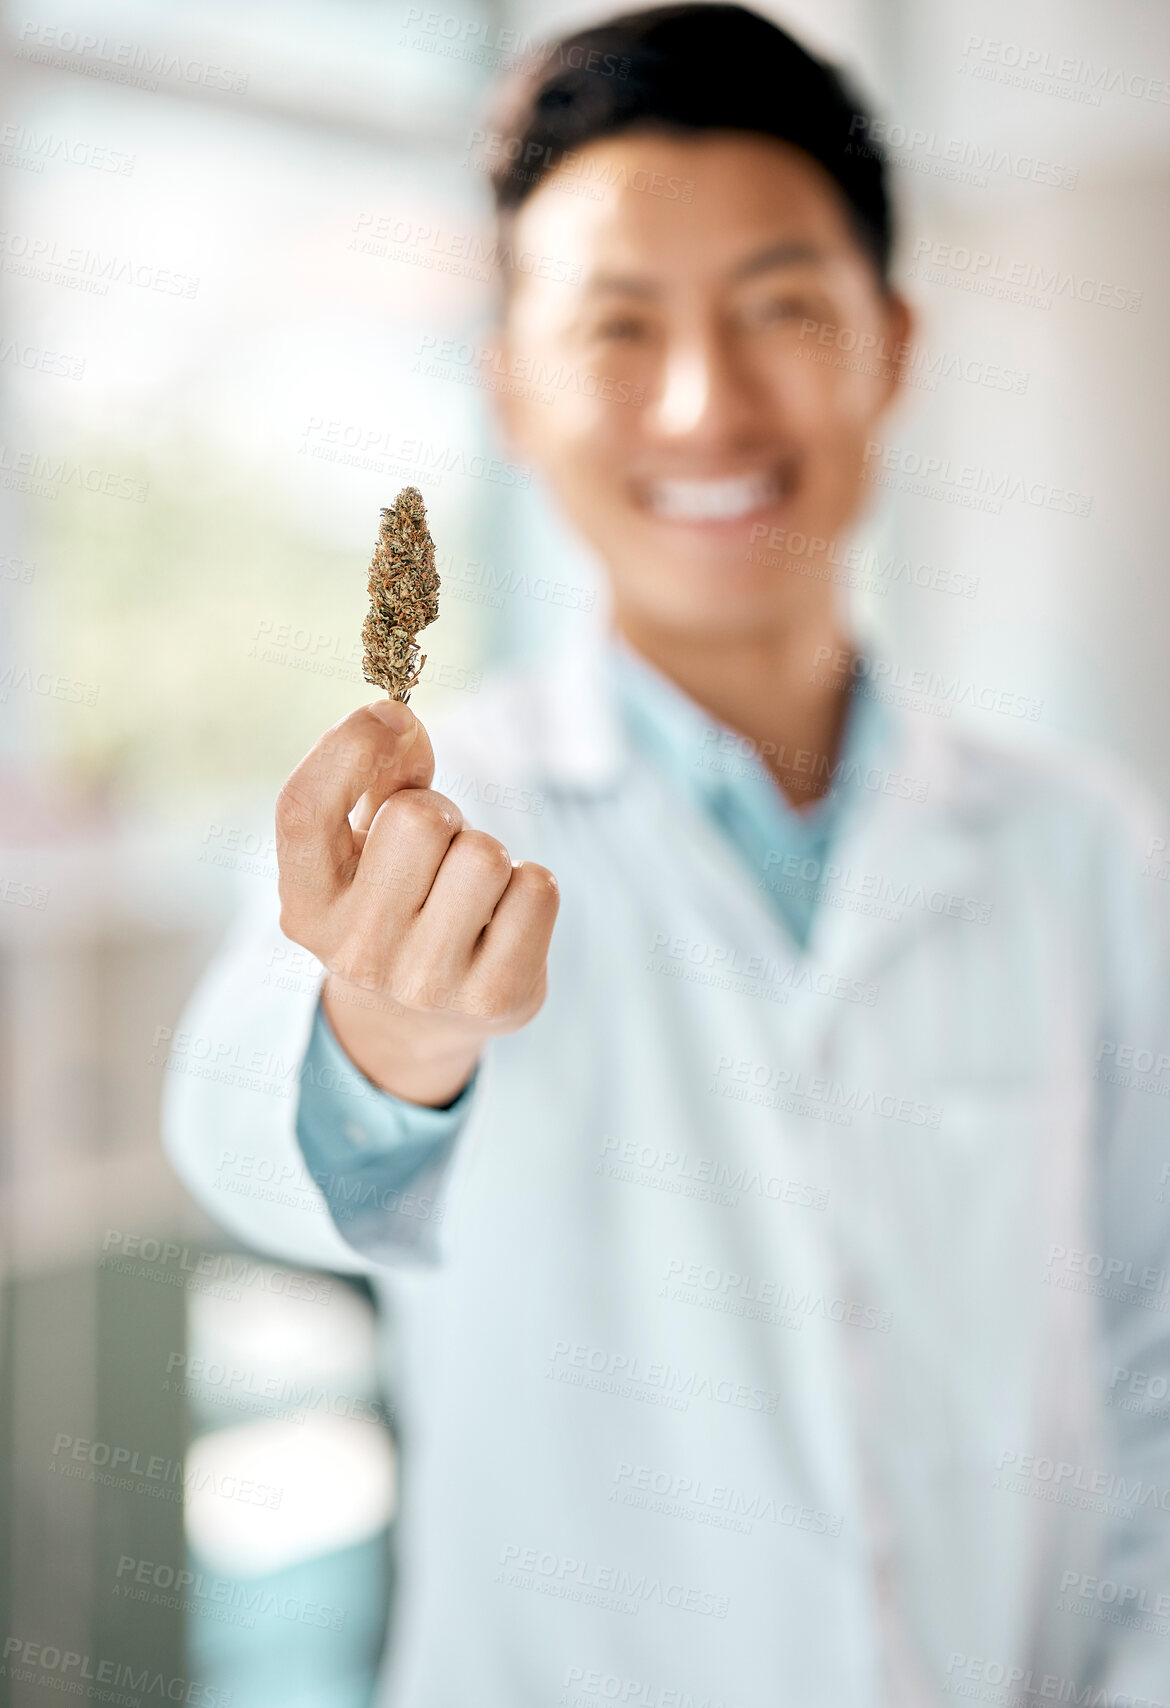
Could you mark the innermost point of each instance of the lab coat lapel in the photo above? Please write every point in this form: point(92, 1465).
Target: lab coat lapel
point(899, 862)
point(895, 863)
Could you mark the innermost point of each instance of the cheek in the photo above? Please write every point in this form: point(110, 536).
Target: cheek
point(823, 393)
point(591, 416)
point(841, 393)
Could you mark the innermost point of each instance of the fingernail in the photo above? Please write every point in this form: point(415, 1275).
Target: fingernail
point(394, 715)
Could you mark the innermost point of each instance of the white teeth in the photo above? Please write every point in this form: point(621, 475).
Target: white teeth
point(711, 500)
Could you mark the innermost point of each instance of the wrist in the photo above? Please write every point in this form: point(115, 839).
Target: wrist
point(422, 1058)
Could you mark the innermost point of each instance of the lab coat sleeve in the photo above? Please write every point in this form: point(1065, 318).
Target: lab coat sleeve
point(1133, 1073)
point(236, 1073)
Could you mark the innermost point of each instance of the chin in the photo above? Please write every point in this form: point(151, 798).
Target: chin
point(709, 612)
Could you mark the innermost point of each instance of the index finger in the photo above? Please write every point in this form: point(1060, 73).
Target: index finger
point(375, 751)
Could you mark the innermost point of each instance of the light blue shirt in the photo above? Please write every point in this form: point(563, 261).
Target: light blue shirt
point(364, 1146)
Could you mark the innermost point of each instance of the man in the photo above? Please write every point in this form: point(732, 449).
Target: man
point(743, 1284)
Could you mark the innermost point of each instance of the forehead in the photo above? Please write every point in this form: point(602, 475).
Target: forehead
point(651, 203)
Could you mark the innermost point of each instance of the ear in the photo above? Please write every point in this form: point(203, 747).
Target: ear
point(901, 326)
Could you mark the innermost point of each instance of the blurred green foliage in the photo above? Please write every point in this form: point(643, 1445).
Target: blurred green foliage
point(222, 638)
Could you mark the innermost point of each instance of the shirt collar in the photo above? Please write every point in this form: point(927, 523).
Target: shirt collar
point(708, 760)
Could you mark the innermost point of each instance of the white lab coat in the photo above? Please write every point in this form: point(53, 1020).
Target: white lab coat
point(755, 1343)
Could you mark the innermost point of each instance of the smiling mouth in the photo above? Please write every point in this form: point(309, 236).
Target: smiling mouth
point(729, 498)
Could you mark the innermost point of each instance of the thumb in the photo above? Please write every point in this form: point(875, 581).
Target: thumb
point(410, 762)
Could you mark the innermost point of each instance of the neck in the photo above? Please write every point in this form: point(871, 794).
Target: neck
point(786, 689)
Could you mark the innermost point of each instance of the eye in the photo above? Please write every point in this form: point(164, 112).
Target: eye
point(621, 328)
point(776, 311)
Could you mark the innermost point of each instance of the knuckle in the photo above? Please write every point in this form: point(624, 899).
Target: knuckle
point(307, 926)
point(536, 883)
point(486, 857)
point(292, 923)
point(421, 812)
point(534, 996)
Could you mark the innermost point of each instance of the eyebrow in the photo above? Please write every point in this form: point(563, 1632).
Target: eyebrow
point(787, 253)
point(784, 254)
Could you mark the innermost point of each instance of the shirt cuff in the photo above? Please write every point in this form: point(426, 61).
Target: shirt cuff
point(346, 1124)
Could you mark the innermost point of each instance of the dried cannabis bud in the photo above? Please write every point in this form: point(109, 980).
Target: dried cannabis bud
point(404, 588)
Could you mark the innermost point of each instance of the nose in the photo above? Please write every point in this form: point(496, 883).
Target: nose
point(705, 397)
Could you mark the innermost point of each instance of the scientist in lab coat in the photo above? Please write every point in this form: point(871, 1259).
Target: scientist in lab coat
point(746, 1094)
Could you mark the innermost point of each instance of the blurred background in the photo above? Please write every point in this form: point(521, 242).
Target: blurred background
point(244, 270)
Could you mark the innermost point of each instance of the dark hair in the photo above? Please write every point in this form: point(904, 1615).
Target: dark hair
point(688, 68)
